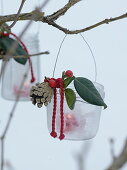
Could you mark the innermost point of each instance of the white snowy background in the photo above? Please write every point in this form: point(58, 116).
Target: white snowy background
point(28, 143)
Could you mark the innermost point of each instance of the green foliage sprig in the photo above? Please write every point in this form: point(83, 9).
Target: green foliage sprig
point(85, 89)
point(5, 45)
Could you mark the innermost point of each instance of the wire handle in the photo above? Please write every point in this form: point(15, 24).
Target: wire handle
point(61, 44)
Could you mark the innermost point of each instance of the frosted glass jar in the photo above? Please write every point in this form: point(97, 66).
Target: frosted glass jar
point(14, 72)
point(82, 122)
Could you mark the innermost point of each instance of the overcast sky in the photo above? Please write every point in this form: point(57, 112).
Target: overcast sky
point(28, 143)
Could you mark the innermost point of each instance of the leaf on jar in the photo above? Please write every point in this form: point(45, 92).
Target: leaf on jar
point(70, 98)
point(6, 43)
point(87, 91)
point(68, 80)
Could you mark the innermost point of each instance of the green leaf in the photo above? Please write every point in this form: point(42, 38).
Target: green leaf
point(87, 91)
point(6, 43)
point(68, 80)
point(70, 98)
point(63, 74)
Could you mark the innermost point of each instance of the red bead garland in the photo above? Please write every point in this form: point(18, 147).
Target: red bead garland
point(57, 83)
point(61, 110)
point(53, 133)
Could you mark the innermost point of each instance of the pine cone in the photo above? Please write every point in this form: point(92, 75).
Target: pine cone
point(41, 94)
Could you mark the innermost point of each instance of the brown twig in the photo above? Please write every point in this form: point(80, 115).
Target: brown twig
point(18, 13)
point(11, 115)
point(62, 11)
point(112, 148)
point(81, 157)
point(120, 160)
point(9, 165)
point(39, 16)
point(26, 56)
point(105, 21)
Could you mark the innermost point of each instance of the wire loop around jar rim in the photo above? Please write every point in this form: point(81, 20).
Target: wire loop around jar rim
point(94, 60)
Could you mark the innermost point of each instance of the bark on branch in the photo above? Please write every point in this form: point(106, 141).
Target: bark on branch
point(39, 16)
point(120, 160)
point(67, 31)
point(62, 11)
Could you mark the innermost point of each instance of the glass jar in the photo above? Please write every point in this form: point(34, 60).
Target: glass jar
point(14, 72)
point(82, 122)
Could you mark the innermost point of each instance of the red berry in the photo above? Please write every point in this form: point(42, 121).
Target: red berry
point(69, 73)
point(52, 83)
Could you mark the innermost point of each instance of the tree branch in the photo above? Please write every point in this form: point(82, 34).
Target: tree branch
point(34, 16)
point(25, 56)
point(39, 16)
point(62, 11)
point(105, 21)
point(18, 13)
point(119, 161)
point(11, 115)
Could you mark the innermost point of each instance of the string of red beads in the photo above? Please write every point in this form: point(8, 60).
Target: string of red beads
point(53, 133)
point(61, 110)
point(57, 83)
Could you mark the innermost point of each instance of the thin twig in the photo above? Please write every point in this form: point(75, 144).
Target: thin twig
point(62, 11)
point(120, 160)
point(39, 16)
point(112, 148)
point(105, 21)
point(11, 115)
point(14, 45)
point(2, 154)
point(18, 13)
point(26, 56)
point(81, 157)
point(9, 165)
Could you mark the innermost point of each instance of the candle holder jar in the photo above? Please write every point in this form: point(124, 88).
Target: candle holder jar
point(14, 73)
point(82, 122)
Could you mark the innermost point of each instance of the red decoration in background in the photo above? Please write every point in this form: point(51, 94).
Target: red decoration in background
point(25, 48)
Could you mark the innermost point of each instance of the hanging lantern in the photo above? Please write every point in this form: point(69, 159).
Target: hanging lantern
point(16, 68)
point(73, 111)
point(81, 123)
point(74, 104)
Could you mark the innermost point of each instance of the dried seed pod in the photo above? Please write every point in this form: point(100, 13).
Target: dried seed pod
point(41, 94)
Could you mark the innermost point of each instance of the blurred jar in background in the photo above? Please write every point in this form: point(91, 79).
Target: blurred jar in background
point(14, 72)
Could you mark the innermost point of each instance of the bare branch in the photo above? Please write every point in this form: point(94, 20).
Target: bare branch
point(19, 11)
point(34, 16)
point(62, 11)
point(105, 21)
point(120, 160)
point(112, 148)
point(26, 56)
point(39, 16)
point(11, 115)
point(2, 154)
